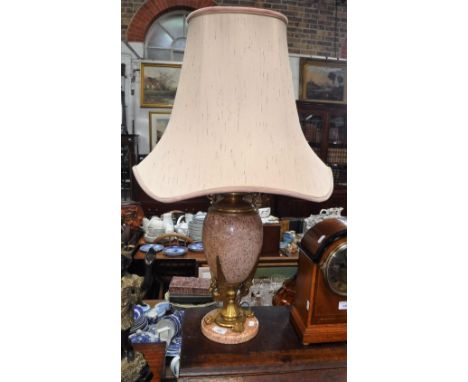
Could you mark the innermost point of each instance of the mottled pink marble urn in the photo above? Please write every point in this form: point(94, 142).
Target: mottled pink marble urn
point(233, 232)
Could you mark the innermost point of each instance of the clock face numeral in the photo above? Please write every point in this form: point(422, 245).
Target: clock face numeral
point(335, 271)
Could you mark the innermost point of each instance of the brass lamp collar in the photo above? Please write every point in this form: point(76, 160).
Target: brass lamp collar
point(233, 203)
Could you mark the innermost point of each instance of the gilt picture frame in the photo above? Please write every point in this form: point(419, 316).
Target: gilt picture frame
point(323, 81)
point(157, 123)
point(158, 84)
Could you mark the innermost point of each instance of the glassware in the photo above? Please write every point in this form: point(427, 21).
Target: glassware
point(277, 282)
point(266, 292)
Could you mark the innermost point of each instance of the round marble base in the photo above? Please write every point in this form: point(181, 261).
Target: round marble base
point(227, 336)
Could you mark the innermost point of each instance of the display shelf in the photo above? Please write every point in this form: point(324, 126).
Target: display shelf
point(264, 261)
point(128, 159)
point(325, 128)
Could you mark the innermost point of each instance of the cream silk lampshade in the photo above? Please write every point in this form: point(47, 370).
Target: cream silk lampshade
point(234, 129)
point(234, 125)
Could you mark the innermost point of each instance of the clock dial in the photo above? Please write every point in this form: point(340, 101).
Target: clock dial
point(335, 270)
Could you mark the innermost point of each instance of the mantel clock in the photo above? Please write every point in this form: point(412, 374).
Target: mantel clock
point(319, 310)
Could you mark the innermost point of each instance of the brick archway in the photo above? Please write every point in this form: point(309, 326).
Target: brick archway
point(150, 10)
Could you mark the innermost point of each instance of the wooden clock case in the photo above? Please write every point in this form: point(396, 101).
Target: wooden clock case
point(318, 314)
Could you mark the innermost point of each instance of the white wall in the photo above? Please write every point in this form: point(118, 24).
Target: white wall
point(139, 115)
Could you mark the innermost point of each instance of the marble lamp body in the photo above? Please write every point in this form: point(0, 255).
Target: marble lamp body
point(232, 237)
point(236, 239)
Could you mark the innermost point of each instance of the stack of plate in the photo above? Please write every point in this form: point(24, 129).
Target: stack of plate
point(195, 227)
point(140, 321)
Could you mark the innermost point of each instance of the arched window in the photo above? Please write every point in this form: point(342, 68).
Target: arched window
point(166, 37)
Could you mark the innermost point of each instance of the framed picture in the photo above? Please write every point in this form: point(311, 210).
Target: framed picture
point(158, 121)
point(323, 81)
point(158, 84)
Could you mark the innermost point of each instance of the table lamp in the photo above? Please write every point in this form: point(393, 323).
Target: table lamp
point(234, 129)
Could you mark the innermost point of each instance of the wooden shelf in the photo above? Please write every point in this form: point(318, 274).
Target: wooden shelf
point(337, 145)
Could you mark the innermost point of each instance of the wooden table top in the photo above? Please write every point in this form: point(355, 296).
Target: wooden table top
point(265, 261)
point(275, 351)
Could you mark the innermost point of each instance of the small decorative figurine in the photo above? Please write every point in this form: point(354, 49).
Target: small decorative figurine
point(134, 367)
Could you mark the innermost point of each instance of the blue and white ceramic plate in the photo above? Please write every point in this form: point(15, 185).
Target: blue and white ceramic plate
point(175, 251)
point(174, 347)
point(162, 308)
point(157, 311)
point(139, 325)
point(196, 247)
point(146, 247)
point(142, 337)
point(140, 321)
point(143, 307)
point(137, 312)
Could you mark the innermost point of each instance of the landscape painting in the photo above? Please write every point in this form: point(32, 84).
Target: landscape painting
point(158, 84)
point(158, 121)
point(323, 81)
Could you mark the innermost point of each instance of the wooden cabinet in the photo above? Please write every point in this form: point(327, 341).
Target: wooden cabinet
point(325, 128)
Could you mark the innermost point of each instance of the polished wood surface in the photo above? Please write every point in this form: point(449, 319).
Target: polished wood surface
point(271, 239)
point(317, 238)
point(275, 354)
point(155, 355)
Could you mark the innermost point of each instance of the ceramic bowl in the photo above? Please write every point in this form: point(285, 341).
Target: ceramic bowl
point(175, 251)
point(196, 246)
point(264, 212)
point(146, 247)
point(149, 239)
